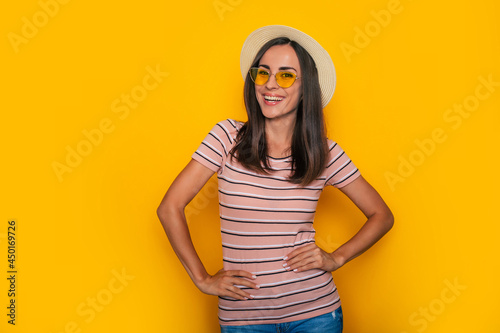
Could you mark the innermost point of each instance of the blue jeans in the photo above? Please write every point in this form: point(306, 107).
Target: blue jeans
point(328, 323)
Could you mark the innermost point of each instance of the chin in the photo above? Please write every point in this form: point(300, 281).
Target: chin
point(276, 113)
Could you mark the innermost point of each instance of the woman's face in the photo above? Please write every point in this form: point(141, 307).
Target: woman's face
point(285, 100)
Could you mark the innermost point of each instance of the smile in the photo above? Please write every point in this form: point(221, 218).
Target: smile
point(272, 100)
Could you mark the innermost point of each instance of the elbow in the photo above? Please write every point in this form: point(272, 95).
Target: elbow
point(166, 216)
point(383, 218)
point(163, 209)
point(168, 207)
point(159, 211)
point(389, 220)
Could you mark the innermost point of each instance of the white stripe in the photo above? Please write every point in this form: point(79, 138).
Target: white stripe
point(269, 187)
point(262, 233)
point(270, 208)
point(266, 272)
point(281, 282)
point(269, 196)
point(228, 132)
point(293, 291)
point(248, 259)
point(343, 165)
point(208, 158)
point(352, 172)
point(267, 246)
point(217, 150)
point(286, 315)
point(249, 172)
point(278, 307)
point(263, 272)
point(221, 141)
point(333, 159)
point(338, 169)
point(292, 280)
point(237, 124)
point(277, 169)
point(264, 220)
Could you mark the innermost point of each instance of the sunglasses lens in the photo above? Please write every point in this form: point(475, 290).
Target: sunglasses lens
point(259, 75)
point(285, 79)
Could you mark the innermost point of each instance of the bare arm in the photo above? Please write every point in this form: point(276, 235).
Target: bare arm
point(379, 221)
point(171, 214)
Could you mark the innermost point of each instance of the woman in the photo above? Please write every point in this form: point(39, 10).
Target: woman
point(271, 171)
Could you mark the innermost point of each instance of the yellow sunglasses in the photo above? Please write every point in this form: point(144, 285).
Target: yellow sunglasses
point(261, 75)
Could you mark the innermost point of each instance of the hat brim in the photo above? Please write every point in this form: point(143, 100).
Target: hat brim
point(324, 64)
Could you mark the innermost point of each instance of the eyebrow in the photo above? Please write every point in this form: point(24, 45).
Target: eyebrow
point(281, 68)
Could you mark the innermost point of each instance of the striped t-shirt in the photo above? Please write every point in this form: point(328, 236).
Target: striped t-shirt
point(263, 218)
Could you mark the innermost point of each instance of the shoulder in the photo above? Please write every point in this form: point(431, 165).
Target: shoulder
point(340, 170)
point(231, 125)
point(332, 146)
point(330, 142)
point(335, 151)
point(227, 129)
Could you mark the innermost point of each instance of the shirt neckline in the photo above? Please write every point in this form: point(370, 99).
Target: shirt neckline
point(279, 158)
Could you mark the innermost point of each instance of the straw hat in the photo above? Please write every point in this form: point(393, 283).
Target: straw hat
point(324, 64)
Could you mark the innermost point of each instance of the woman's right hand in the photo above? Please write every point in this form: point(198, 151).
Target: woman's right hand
point(224, 283)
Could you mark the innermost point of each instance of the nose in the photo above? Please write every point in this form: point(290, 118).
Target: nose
point(271, 83)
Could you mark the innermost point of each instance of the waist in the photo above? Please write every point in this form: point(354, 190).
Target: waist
point(282, 296)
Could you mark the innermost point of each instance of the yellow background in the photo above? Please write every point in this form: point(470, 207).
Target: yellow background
point(80, 230)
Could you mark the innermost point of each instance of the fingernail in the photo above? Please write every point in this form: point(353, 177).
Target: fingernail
point(284, 265)
point(285, 258)
point(258, 286)
point(295, 270)
point(254, 277)
point(252, 296)
point(287, 267)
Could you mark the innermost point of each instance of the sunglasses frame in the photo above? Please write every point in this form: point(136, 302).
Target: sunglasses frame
point(271, 74)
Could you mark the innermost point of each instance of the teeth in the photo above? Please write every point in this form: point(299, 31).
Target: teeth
point(272, 98)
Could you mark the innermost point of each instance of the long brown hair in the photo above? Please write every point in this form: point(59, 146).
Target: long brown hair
point(309, 149)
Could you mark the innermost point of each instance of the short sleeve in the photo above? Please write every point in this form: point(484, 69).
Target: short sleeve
point(213, 150)
point(340, 170)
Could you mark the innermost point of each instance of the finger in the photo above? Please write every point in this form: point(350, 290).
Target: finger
point(311, 252)
point(298, 251)
point(245, 283)
point(301, 261)
point(298, 258)
point(307, 267)
point(306, 262)
point(238, 293)
point(242, 273)
point(239, 278)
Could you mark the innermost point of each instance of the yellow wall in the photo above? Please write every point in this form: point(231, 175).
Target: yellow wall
point(92, 255)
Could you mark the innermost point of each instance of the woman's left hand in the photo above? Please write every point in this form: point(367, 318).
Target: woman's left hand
point(380, 221)
point(309, 257)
